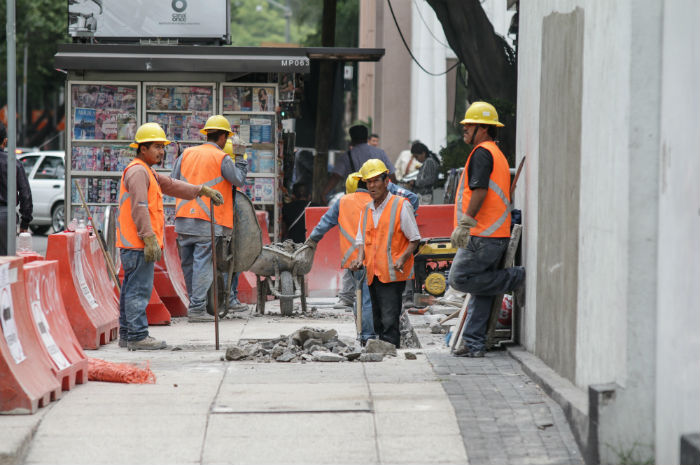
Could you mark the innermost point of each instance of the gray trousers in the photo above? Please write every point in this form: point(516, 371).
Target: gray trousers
point(475, 270)
point(347, 286)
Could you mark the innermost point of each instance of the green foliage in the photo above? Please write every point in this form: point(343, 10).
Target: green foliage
point(455, 153)
point(346, 21)
point(42, 25)
point(254, 22)
point(638, 454)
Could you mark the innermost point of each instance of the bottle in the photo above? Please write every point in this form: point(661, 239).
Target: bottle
point(81, 225)
point(24, 242)
point(73, 225)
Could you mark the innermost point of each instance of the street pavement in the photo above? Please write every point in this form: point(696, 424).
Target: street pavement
point(204, 410)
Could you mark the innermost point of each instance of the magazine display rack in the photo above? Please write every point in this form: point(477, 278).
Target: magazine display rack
point(104, 116)
point(251, 110)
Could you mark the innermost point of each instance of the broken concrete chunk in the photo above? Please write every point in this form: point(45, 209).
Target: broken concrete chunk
point(277, 351)
point(377, 346)
point(410, 356)
point(437, 328)
point(235, 353)
point(353, 355)
point(329, 335)
point(288, 356)
point(372, 357)
point(312, 342)
point(327, 357)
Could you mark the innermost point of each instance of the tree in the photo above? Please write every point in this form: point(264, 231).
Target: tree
point(489, 60)
point(254, 22)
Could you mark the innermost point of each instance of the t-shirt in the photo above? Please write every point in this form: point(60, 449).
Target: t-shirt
point(480, 168)
point(360, 154)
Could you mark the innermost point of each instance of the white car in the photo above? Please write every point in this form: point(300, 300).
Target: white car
point(46, 174)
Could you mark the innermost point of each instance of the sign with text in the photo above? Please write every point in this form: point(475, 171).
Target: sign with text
point(166, 19)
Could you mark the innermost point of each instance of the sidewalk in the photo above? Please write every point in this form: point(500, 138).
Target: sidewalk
point(436, 409)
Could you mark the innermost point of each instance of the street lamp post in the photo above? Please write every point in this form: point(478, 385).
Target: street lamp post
point(287, 15)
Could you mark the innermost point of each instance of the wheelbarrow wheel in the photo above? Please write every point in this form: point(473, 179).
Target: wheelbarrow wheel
point(223, 306)
point(286, 288)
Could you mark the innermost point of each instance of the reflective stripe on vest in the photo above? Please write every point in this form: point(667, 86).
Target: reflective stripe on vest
point(202, 165)
point(385, 243)
point(127, 233)
point(349, 213)
point(493, 218)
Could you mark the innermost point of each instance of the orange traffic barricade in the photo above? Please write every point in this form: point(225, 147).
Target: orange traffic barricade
point(27, 380)
point(168, 278)
point(94, 317)
point(51, 324)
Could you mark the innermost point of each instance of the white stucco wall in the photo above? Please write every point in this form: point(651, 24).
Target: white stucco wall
point(428, 93)
point(678, 356)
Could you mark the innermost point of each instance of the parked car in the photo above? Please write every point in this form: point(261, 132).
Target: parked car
point(46, 174)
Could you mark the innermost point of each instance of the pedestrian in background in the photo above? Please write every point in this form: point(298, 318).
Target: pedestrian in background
point(140, 228)
point(387, 235)
point(373, 140)
point(352, 160)
point(209, 165)
point(23, 196)
point(427, 173)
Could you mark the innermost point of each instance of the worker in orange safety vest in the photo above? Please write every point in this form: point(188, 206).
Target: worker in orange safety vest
point(209, 165)
point(140, 224)
point(482, 227)
point(387, 236)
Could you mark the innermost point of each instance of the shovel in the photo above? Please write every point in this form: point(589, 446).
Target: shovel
point(358, 315)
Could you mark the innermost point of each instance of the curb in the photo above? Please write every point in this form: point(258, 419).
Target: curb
point(573, 400)
point(17, 432)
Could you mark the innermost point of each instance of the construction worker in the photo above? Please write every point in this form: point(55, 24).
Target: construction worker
point(482, 227)
point(387, 236)
point(350, 161)
point(205, 164)
point(140, 230)
point(235, 305)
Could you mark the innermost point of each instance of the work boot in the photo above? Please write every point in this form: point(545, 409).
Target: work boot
point(199, 317)
point(147, 343)
point(342, 303)
point(465, 351)
point(237, 306)
point(452, 298)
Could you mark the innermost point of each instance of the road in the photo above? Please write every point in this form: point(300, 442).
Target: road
point(202, 410)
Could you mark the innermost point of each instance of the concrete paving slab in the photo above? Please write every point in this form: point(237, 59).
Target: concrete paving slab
point(240, 398)
point(422, 449)
point(416, 423)
point(17, 431)
point(294, 373)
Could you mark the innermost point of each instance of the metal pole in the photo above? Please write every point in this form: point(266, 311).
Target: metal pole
point(288, 16)
point(214, 287)
point(24, 89)
point(11, 128)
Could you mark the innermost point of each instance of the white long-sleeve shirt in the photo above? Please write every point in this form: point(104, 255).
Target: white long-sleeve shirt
point(409, 227)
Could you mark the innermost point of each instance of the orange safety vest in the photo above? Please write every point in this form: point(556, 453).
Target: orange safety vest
point(385, 243)
point(350, 211)
point(127, 234)
point(493, 218)
point(202, 165)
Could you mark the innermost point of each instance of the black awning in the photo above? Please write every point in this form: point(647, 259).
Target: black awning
point(190, 58)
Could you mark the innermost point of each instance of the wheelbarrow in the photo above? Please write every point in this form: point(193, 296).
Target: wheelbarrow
point(287, 262)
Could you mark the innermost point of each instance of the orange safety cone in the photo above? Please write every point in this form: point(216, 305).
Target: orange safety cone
point(27, 381)
point(51, 325)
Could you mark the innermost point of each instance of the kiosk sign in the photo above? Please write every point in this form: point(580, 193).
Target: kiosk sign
point(142, 19)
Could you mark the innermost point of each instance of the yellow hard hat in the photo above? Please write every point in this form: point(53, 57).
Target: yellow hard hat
point(217, 123)
point(481, 113)
point(371, 168)
point(149, 132)
point(235, 145)
point(351, 182)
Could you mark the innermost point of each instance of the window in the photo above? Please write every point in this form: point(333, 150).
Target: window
point(28, 163)
point(50, 168)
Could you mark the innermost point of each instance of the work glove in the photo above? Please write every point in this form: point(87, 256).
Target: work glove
point(152, 251)
point(311, 243)
point(213, 194)
point(460, 236)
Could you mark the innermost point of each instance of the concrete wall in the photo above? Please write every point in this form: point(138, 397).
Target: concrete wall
point(678, 321)
point(638, 259)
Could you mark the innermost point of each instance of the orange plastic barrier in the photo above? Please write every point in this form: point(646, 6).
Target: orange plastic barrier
point(156, 312)
point(27, 381)
point(103, 282)
point(29, 257)
point(262, 221)
point(51, 325)
point(93, 315)
point(247, 288)
point(168, 278)
point(325, 275)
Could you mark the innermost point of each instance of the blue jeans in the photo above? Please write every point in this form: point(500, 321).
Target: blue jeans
point(367, 319)
point(475, 270)
point(195, 256)
point(135, 294)
point(233, 297)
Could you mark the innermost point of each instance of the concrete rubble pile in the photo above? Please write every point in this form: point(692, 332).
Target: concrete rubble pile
point(309, 345)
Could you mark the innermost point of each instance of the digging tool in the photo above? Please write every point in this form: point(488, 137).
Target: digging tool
point(214, 281)
point(515, 179)
point(108, 258)
point(358, 303)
